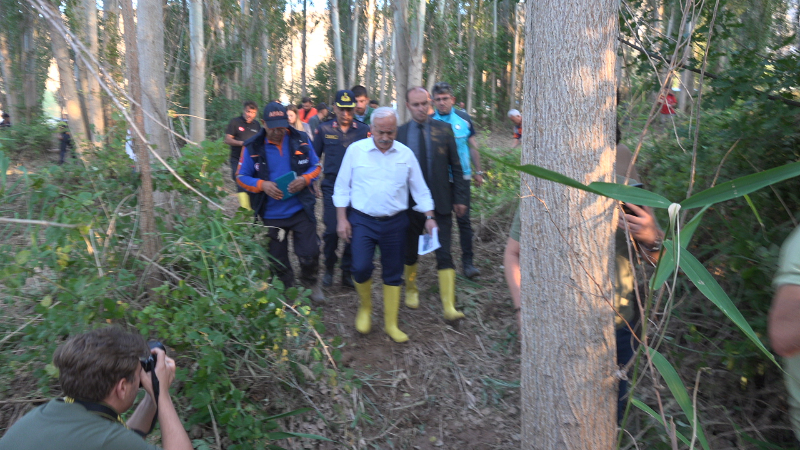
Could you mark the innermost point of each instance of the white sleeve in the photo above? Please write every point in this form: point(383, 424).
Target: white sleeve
point(342, 187)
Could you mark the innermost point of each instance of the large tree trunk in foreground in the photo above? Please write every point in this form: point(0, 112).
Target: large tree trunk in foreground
point(69, 88)
point(147, 220)
point(567, 246)
point(150, 43)
point(197, 73)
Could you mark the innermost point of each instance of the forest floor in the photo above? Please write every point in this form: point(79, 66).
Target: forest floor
point(456, 386)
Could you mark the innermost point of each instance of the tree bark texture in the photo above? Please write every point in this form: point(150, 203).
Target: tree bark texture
point(147, 221)
point(197, 73)
point(384, 62)
point(265, 61)
point(29, 93)
point(8, 86)
point(94, 100)
point(69, 88)
point(512, 90)
point(304, 32)
point(368, 69)
point(150, 43)
point(354, 45)
point(471, 59)
point(567, 247)
point(337, 44)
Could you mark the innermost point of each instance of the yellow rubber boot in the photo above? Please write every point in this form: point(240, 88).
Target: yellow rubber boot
point(391, 307)
point(447, 289)
point(244, 201)
point(412, 293)
point(364, 314)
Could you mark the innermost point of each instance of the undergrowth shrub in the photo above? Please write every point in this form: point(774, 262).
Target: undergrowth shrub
point(237, 339)
point(38, 135)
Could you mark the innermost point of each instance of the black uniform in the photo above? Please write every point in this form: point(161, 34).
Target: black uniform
point(329, 140)
point(241, 131)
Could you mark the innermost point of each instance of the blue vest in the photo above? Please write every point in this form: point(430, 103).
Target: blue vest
point(461, 131)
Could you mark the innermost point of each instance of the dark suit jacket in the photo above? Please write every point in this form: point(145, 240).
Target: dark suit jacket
point(445, 156)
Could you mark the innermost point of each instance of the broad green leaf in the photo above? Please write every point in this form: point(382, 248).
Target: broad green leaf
point(678, 390)
point(755, 211)
point(665, 267)
point(547, 174)
point(711, 289)
point(688, 230)
point(742, 186)
point(629, 194)
point(650, 412)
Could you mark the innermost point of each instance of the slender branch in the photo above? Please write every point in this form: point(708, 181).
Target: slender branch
point(38, 222)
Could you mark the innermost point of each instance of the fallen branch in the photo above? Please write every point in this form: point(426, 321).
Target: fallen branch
point(38, 222)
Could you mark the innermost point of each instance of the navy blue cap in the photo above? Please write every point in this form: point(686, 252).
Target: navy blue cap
point(345, 99)
point(275, 115)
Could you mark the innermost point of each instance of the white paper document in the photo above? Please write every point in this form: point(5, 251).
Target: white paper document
point(429, 242)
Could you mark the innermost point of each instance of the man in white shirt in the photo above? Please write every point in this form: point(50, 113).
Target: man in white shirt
point(374, 180)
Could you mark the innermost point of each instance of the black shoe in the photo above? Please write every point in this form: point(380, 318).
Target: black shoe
point(470, 271)
point(347, 280)
point(327, 280)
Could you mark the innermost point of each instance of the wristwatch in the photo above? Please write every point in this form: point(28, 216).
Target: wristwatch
point(655, 247)
point(429, 218)
point(480, 172)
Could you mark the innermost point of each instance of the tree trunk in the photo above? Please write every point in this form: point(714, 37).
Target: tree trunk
point(471, 59)
point(494, 68)
point(247, 47)
point(354, 44)
point(150, 43)
point(568, 347)
point(69, 88)
point(303, 87)
point(29, 68)
point(337, 44)
point(438, 34)
point(687, 77)
point(197, 73)
point(147, 221)
point(8, 86)
point(94, 100)
point(265, 61)
point(417, 50)
point(370, 46)
point(402, 56)
point(384, 63)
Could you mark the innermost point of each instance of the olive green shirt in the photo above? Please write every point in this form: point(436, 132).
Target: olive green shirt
point(69, 426)
point(789, 273)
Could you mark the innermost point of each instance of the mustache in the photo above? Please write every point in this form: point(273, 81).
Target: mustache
point(385, 141)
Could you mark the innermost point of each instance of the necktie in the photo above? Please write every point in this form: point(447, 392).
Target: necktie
point(423, 151)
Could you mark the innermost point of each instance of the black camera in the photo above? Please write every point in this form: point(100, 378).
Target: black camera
point(149, 363)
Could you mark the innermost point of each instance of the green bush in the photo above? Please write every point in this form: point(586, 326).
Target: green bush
point(35, 136)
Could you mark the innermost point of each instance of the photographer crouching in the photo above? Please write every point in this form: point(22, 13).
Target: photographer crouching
point(101, 373)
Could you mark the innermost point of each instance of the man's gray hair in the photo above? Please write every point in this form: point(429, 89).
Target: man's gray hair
point(382, 113)
point(514, 113)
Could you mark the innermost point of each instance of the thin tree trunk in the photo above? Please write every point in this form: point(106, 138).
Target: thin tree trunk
point(94, 100)
point(303, 49)
point(69, 88)
point(265, 61)
point(687, 77)
point(5, 66)
point(471, 60)
point(354, 45)
point(384, 63)
point(197, 73)
point(147, 221)
point(402, 57)
point(247, 48)
point(370, 46)
point(417, 50)
point(337, 44)
point(494, 69)
point(568, 344)
point(150, 43)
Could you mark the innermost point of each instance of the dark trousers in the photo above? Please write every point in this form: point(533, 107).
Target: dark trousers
point(626, 347)
point(444, 260)
point(306, 247)
point(390, 235)
point(465, 234)
point(329, 237)
point(62, 153)
point(234, 162)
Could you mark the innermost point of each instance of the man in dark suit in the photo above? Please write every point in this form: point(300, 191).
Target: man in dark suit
point(434, 145)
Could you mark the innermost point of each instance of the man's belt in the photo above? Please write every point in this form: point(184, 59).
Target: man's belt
point(379, 219)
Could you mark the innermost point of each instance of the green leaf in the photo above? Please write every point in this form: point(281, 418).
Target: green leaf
point(22, 257)
point(629, 194)
point(688, 230)
point(706, 284)
point(650, 412)
point(665, 267)
point(678, 390)
point(755, 211)
point(742, 186)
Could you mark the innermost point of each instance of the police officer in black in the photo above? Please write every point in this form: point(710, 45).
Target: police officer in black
point(332, 139)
